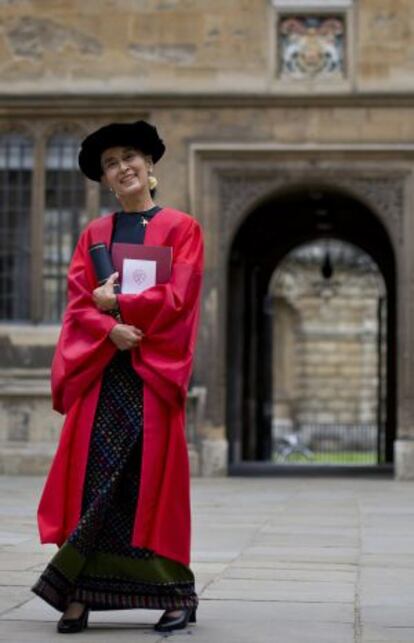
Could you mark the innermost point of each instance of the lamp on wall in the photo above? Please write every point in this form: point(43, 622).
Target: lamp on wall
point(327, 267)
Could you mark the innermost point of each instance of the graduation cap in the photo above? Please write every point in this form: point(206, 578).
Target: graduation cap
point(140, 135)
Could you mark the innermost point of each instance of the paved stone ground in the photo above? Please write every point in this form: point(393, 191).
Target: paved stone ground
point(289, 560)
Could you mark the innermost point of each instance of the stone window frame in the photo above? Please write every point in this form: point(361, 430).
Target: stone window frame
point(39, 132)
point(280, 8)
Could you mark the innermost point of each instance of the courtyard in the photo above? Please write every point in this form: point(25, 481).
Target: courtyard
point(278, 559)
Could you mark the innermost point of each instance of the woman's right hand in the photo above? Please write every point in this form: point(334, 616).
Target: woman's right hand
point(125, 336)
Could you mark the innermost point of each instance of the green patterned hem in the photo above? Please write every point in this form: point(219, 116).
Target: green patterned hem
point(106, 581)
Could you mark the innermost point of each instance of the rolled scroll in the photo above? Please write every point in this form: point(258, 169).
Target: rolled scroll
point(102, 264)
point(104, 268)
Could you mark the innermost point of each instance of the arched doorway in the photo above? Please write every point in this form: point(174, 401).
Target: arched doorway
point(266, 236)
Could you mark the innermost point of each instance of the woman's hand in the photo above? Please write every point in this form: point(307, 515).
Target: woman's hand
point(104, 297)
point(125, 337)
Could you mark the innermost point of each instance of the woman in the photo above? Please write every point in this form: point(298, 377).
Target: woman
point(116, 500)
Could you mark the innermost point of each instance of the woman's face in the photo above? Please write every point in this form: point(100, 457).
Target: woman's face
point(125, 170)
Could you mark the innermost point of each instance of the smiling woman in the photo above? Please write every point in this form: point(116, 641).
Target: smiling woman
point(126, 170)
point(116, 500)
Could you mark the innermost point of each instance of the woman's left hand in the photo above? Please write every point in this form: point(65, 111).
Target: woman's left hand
point(104, 297)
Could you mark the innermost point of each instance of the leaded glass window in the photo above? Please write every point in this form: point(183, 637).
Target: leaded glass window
point(16, 163)
point(64, 217)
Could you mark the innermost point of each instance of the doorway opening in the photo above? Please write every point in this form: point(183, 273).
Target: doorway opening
point(311, 335)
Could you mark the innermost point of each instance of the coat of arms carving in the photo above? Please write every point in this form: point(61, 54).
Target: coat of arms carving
point(311, 46)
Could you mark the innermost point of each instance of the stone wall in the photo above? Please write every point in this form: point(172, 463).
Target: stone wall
point(183, 46)
point(325, 337)
point(133, 46)
point(385, 46)
point(30, 428)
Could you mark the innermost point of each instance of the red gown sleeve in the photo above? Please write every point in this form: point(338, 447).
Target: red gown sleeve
point(168, 314)
point(83, 348)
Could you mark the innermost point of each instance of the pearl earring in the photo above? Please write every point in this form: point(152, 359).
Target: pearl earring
point(152, 182)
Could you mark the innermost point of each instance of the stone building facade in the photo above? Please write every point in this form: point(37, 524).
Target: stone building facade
point(285, 121)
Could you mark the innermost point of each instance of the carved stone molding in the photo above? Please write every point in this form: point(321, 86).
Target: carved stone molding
point(229, 181)
point(240, 192)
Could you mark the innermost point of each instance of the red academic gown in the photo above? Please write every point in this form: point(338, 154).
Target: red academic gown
point(168, 314)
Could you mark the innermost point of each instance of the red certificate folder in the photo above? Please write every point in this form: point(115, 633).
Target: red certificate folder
point(161, 254)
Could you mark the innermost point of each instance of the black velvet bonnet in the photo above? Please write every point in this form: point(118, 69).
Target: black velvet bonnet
point(140, 134)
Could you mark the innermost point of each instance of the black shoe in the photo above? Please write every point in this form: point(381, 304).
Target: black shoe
point(169, 623)
point(72, 625)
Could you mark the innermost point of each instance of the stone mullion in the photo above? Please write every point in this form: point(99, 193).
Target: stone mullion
point(37, 229)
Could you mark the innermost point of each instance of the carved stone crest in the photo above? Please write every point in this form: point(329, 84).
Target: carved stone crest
point(311, 46)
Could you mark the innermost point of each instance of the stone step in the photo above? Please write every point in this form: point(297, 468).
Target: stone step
point(26, 458)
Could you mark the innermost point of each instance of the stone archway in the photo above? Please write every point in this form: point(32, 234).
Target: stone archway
point(229, 182)
point(290, 219)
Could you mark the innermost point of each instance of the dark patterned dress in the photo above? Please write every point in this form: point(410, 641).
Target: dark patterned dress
point(97, 565)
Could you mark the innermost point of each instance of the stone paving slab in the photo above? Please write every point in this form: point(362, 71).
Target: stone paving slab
point(374, 634)
point(21, 579)
point(279, 590)
point(40, 632)
point(280, 574)
point(380, 576)
point(390, 559)
point(344, 555)
point(221, 621)
point(286, 560)
point(390, 613)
